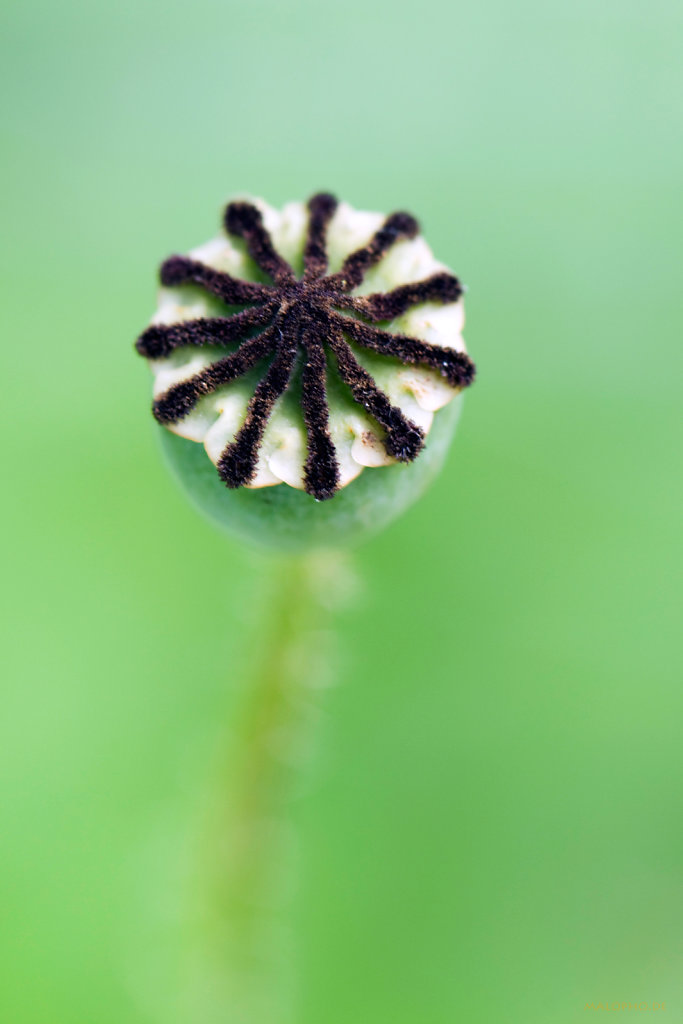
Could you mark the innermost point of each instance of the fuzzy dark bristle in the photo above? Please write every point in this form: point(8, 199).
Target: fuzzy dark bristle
point(387, 305)
point(180, 399)
point(321, 209)
point(404, 438)
point(159, 340)
point(397, 227)
point(241, 218)
point(246, 221)
point(321, 472)
point(305, 316)
point(237, 464)
point(456, 367)
point(179, 270)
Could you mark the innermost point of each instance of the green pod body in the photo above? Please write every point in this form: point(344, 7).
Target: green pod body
point(351, 417)
point(288, 519)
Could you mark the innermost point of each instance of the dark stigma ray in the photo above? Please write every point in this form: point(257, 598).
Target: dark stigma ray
point(395, 228)
point(159, 340)
point(177, 270)
point(442, 288)
point(238, 462)
point(405, 439)
point(321, 209)
point(456, 367)
point(321, 471)
point(181, 398)
point(246, 221)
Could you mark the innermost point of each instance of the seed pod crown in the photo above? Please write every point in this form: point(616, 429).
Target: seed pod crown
point(239, 332)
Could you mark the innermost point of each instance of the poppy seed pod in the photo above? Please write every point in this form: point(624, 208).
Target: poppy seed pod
point(308, 369)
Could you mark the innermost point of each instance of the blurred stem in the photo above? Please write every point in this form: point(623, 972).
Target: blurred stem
point(240, 965)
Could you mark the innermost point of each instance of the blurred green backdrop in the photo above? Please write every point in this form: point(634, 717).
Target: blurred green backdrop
point(493, 827)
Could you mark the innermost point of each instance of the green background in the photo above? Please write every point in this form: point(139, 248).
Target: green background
point(492, 828)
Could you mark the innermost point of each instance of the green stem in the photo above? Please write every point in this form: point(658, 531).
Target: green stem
point(239, 970)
